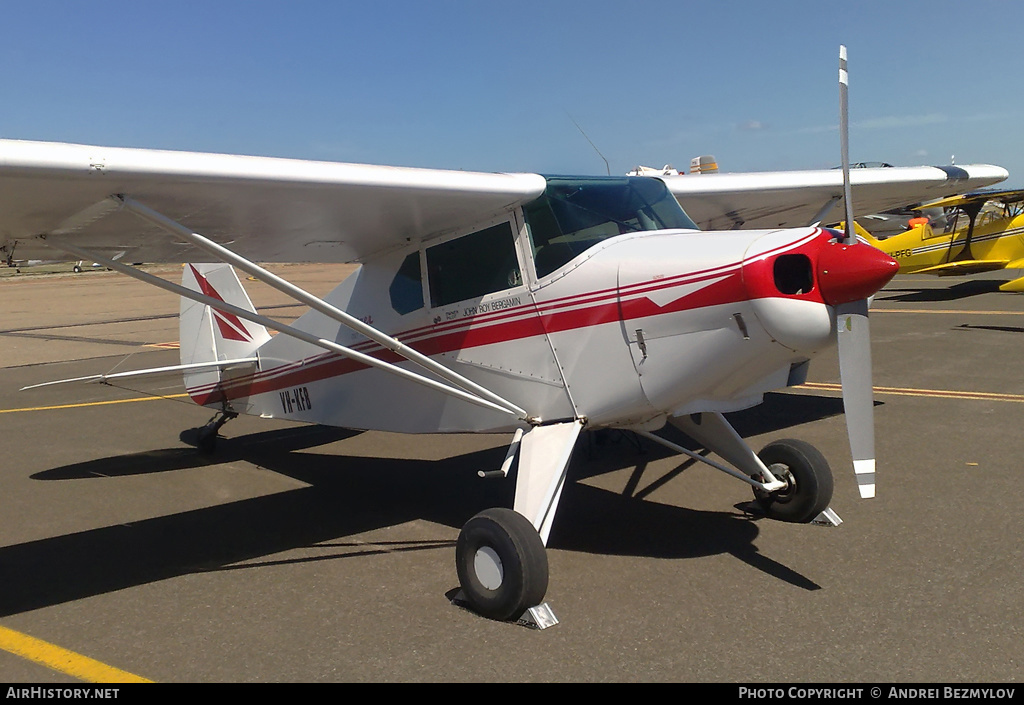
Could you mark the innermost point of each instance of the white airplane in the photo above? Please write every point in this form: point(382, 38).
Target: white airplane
point(494, 303)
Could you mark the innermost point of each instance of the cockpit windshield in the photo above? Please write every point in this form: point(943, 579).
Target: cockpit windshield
point(576, 213)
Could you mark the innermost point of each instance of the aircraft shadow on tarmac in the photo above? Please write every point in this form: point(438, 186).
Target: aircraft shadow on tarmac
point(963, 290)
point(349, 495)
point(1001, 329)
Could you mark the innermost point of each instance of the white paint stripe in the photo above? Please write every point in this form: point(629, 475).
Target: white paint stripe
point(959, 242)
point(864, 467)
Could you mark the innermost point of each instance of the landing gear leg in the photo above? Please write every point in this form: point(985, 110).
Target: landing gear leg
point(791, 479)
point(500, 556)
point(206, 436)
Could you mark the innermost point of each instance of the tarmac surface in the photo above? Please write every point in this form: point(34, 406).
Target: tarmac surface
point(304, 554)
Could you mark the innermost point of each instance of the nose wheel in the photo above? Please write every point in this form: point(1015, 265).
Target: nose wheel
point(808, 479)
point(502, 564)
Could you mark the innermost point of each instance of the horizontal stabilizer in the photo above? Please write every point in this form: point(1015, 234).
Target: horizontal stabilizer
point(153, 371)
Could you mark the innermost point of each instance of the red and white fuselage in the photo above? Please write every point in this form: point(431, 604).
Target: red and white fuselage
point(637, 328)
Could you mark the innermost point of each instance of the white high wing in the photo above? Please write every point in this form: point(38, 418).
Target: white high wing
point(537, 306)
point(786, 199)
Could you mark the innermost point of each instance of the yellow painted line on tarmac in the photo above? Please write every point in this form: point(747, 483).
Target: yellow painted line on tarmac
point(90, 403)
point(946, 311)
point(910, 392)
point(63, 660)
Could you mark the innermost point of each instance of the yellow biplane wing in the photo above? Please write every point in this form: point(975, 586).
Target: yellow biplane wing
point(1008, 196)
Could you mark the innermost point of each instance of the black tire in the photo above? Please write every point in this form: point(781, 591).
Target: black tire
point(76, 269)
point(502, 564)
point(809, 479)
point(206, 440)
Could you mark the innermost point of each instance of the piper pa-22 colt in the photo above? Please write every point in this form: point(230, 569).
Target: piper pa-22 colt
point(514, 303)
point(981, 232)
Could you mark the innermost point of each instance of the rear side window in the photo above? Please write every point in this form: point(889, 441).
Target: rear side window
point(406, 288)
point(471, 266)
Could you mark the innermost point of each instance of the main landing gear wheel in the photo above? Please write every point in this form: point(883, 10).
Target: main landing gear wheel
point(808, 481)
point(502, 564)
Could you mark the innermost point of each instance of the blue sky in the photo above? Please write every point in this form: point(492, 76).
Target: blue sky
point(496, 86)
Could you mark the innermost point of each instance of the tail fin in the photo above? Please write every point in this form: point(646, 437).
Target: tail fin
point(208, 335)
point(704, 164)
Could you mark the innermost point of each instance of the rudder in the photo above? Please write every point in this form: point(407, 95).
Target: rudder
point(208, 335)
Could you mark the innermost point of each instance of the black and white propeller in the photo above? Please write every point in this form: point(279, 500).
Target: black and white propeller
point(854, 337)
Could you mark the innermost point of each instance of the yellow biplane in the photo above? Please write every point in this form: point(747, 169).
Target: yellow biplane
point(978, 232)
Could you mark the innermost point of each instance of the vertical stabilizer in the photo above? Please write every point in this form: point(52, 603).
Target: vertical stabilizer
point(209, 335)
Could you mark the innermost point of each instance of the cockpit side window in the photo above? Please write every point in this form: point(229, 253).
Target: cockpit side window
point(406, 288)
point(473, 265)
point(574, 214)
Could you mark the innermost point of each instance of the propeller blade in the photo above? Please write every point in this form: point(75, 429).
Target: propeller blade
point(858, 399)
point(852, 328)
point(844, 144)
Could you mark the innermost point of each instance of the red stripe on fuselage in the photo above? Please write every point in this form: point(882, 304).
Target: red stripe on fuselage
point(607, 310)
point(560, 314)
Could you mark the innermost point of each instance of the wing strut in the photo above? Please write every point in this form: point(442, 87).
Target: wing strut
point(825, 210)
point(314, 302)
point(971, 210)
point(505, 406)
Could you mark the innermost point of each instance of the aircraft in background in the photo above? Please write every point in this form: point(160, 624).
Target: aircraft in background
point(495, 303)
point(705, 164)
point(77, 267)
point(979, 232)
point(895, 220)
point(10, 261)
